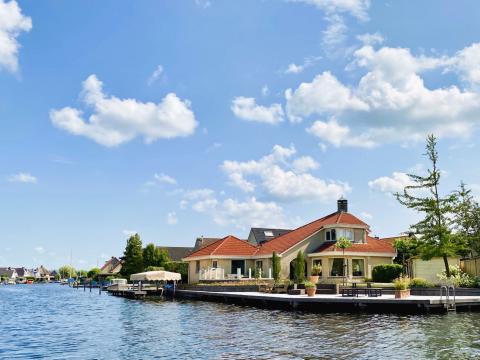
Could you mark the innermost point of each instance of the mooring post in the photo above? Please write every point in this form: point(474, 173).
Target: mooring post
point(90, 285)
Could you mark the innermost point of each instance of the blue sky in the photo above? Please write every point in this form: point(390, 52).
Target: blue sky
point(178, 119)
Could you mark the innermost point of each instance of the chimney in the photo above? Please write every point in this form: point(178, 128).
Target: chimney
point(342, 205)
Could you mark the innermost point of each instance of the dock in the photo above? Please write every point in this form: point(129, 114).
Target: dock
point(337, 303)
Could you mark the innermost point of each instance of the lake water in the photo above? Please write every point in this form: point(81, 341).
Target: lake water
point(57, 322)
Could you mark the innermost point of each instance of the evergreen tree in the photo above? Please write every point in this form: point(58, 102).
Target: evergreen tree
point(434, 230)
point(154, 256)
point(466, 220)
point(276, 266)
point(133, 256)
point(299, 269)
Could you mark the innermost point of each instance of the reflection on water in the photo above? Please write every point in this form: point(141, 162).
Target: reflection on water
point(57, 322)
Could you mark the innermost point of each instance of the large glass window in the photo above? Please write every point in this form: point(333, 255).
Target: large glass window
point(336, 267)
point(330, 235)
point(345, 233)
point(358, 267)
point(238, 264)
point(197, 266)
point(214, 264)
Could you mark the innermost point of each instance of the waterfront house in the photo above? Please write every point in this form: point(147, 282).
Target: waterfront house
point(231, 257)
point(111, 267)
point(23, 274)
point(41, 274)
point(8, 273)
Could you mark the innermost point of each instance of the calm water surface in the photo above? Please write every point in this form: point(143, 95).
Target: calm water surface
point(57, 322)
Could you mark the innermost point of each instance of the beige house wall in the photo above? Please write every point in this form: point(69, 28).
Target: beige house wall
point(428, 269)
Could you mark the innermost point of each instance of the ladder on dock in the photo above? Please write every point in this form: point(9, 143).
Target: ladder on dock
point(450, 303)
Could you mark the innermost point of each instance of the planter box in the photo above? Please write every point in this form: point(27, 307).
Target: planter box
point(402, 294)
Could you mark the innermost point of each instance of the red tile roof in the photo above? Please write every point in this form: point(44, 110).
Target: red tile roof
point(372, 245)
point(286, 241)
point(229, 245)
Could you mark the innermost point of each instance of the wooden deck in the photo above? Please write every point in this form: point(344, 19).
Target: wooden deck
point(322, 302)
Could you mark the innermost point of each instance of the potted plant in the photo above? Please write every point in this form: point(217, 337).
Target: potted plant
point(316, 271)
point(402, 287)
point(311, 288)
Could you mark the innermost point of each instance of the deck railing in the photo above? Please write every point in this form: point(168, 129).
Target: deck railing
point(220, 274)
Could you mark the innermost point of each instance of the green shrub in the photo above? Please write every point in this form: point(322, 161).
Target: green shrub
point(401, 283)
point(459, 278)
point(420, 283)
point(179, 267)
point(309, 284)
point(386, 272)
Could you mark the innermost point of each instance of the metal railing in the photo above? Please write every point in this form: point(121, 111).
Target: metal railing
point(449, 305)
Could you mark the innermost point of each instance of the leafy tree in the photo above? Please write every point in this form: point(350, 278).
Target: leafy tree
point(276, 266)
point(133, 256)
point(406, 248)
point(343, 243)
point(82, 273)
point(299, 269)
point(434, 230)
point(93, 273)
point(154, 256)
point(67, 272)
point(180, 267)
point(466, 220)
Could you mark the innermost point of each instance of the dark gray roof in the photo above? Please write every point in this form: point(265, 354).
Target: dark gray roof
point(20, 271)
point(261, 234)
point(177, 253)
point(201, 242)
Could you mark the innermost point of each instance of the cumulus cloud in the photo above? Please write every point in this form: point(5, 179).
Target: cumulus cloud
point(12, 24)
point(371, 38)
point(296, 69)
point(283, 178)
point(391, 184)
point(116, 121)
point(25, 178)
point(246, 109)
point(390, 102)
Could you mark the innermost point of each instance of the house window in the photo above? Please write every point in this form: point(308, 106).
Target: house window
point(238, 264)
point(268, 233)
point(358, 267)
point(214, 264)
point(336, 267)
point(197, 266)
point(345, 233)
point(259, 264)
point(330, 235)
point(318, 263)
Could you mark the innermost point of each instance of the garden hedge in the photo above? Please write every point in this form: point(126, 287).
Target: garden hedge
point(386, 272)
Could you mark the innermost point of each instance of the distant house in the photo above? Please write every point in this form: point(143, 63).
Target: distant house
point(177, 253)
point(41, 274)
point(201, 242)
point(258, 236)
point(23, 274)
point(8, 273)
point(111, 267)
point(232, 257)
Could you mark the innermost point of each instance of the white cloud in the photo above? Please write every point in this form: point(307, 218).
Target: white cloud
point(40, 249)
point(172, 218)
point(356, 8)
point(282, 178)
point(265, 90)
point(155, 75)
point(304, 164)
point(203, 3)
point(339, 135)
point(336, 31)
point(25, 178)
point(164, 178)
point(324, 94)
point(294, 69)
point(12, 24)
point(390, 103)
point(246, 109)
point(115, 121)
point(393, 184)
point(467, 63)
point(129, 232)
point(371, 38)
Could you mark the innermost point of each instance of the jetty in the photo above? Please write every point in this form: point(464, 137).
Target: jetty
point(337, 303)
